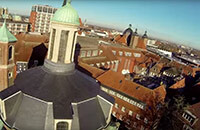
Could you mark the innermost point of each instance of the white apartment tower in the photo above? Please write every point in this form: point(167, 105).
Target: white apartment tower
point(40, 18)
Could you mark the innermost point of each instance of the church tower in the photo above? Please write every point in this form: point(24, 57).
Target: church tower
point(64, 26)
point(7, 41)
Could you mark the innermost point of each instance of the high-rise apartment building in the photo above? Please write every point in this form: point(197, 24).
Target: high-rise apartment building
point(40, 18)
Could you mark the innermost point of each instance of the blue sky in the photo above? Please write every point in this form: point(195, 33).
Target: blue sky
point(172, 20)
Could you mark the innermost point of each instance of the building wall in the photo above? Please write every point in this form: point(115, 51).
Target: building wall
point(6, 65)
point(40, 18)
point(126, 108)
point(32, 20)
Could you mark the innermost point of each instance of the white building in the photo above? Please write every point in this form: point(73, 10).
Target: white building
point(40, 18)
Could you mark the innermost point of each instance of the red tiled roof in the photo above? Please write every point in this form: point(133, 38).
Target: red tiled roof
point(95, 72)
point(117, 81)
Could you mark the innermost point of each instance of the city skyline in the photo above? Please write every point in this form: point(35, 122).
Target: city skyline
point(174, 21)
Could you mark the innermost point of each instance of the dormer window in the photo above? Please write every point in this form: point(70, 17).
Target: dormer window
point(62, 126)
point(189, 117)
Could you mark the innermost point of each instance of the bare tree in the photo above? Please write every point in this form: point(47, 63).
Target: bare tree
point(150, 117)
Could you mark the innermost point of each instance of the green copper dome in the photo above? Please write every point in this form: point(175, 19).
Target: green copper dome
point(5, 35)
point(66, 14)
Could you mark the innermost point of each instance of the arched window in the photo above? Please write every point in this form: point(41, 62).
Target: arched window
point(62, 126)
point(10, 53)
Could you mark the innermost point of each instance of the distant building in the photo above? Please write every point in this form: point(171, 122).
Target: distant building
point(40, 18)
point(16, 26)
point(99, 57)
point(7, 65)
point(132, 39)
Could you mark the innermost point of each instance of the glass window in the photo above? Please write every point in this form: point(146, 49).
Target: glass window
point(63, 45)
point(188, 117)
point(130, 113)
point(33, 8)
point(52, 43)
point(88, 53)
point(54, 11)
point(62, 126)
point(116, 105)
point(123, 109)
point(50, 10)
point(39, 9)
point(45, 9)
point(145, 120)
point(83, 53)
point(138, 116)
point(95, 53)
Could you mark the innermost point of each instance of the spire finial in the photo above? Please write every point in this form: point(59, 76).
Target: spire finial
point(66, 2)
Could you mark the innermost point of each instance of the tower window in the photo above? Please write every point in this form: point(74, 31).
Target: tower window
point(10, 53)
point(63, 45)
point(62, 126)
point(10, 75)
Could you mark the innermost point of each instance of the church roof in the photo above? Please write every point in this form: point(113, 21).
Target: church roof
point(5, 35)
point(66, 14)
point(61, 89)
